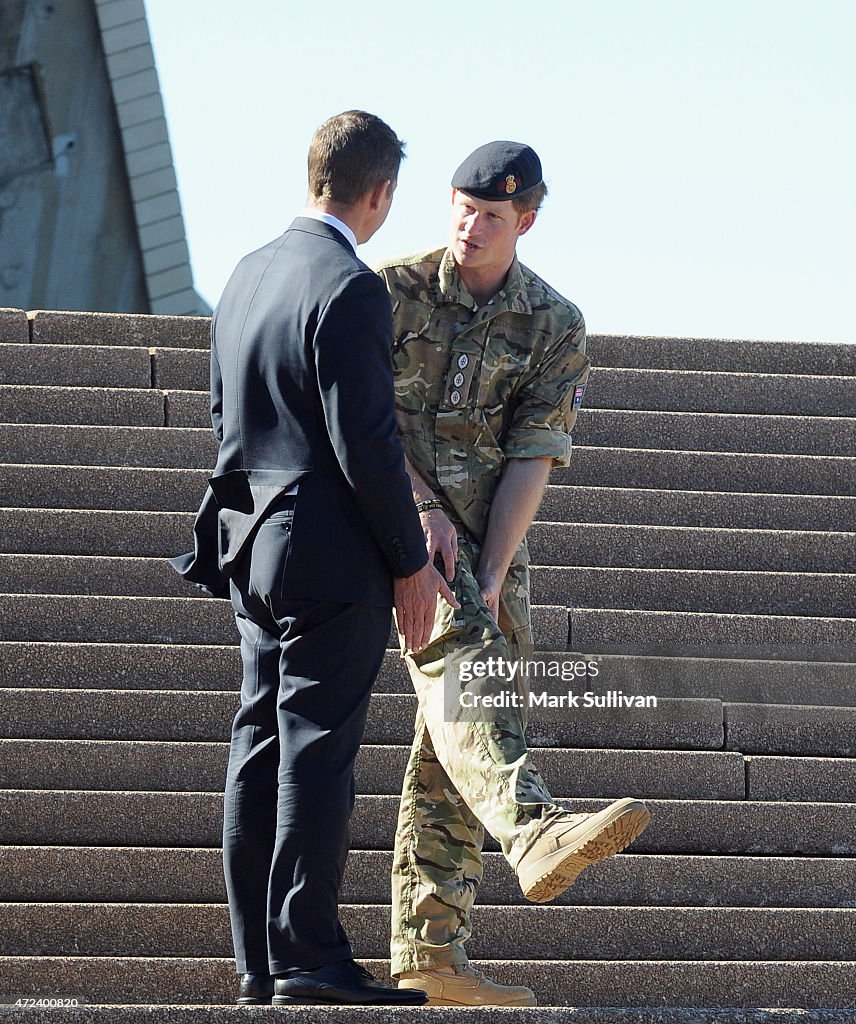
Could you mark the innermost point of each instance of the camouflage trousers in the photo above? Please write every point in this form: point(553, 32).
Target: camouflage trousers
point(469, 771)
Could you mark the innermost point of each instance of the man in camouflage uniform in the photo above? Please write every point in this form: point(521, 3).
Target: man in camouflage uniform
point(490, 370)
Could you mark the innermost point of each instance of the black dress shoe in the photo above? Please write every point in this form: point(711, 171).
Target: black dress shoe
point(255, 990)
point(344, 983)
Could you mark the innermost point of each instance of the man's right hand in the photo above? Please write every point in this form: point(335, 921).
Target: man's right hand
point(416, 602)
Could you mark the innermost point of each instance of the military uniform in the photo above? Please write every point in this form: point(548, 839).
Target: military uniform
point(474, 387)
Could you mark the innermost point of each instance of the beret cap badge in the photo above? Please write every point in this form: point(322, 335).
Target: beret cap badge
point(499, 171)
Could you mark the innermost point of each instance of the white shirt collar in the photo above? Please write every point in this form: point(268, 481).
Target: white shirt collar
point(334, 222)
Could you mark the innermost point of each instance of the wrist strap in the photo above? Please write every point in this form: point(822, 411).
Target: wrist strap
point(427, 506)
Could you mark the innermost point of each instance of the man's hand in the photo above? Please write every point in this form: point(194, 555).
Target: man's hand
point(416, 602)
point(489, 589)
point(441, 538)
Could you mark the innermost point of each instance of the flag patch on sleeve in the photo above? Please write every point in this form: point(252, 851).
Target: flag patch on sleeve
point(579, 391)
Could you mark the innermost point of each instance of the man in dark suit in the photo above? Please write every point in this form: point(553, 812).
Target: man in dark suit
point(312, 518)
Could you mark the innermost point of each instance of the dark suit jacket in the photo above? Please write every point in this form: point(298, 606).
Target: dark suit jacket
point(302, 392)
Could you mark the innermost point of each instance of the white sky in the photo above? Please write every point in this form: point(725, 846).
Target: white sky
point(701, 155)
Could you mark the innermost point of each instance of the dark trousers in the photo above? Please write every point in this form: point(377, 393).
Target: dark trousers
point(308, 671)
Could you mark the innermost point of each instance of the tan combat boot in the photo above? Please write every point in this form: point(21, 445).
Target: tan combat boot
point(463, 986)
point(571, 842)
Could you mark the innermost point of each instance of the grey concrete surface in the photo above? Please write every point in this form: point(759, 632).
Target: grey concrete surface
point(521, 933)
point(719, 591)
point(24, 403)
point(228, 1014)
point(743, 356)
point(108, 446)
point(77, 532)
point(88, 818)
point(780, 729)
point(734, 679)
point(686, 547)
point(60, 874)
point(75, 366)
point(183, 369)
point(33, 663)
point(732, 509)
point(14, 328)
point(718, 432)
point(707, 635)
point(195, 715)
point(116, 619)
point(712, 391)
point(596, 983)
point(182, 766)
point(51, 327)
point(832, 779)
point(91, 487)
point(625, 466)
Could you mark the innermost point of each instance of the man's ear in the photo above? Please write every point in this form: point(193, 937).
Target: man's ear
point(379, 193)
point(526, 221)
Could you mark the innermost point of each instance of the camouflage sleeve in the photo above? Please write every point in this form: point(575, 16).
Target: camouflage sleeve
point(547, 400)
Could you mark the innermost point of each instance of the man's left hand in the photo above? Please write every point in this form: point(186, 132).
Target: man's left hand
point(441, 538)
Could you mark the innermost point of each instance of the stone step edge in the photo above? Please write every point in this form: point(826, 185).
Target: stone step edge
point(545, 1013)
point(599, 803)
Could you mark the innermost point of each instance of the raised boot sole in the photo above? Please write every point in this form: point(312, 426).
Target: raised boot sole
point(608, 833)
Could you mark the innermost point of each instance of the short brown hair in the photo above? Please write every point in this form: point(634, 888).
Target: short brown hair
point(350, 154)
point(532, 200)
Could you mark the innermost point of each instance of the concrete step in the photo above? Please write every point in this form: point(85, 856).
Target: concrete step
point(684, 547)
point(694, 590)
point(205, 715)
point(101, 818)
point(91, 487)
point(116, 619)
point(522, 933)
point(798, 434)
point(626, 467)
point(194, 448)
point(195, 875)
point(168, 620)
point(108, 446)
point(717, 431)
point(703, 590)
point(201, 766)
point(33, 663)
point(14, 328)
point(649, 390)
point(711, 391)
point(596, 983)
point(563, 503)
point(199, 667)
point(728, 679)
point(229, 1014)
point(832, 358)
point(801, 778)
point(73, 366)
point(161, 534)
point(707, 635)
point(94, 405)
point(81, 532)
point(50, 327)
point(782, 729)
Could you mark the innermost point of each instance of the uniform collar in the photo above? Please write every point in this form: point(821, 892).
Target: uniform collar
point(514, 297)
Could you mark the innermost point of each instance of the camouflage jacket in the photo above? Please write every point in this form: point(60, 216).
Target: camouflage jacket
point(476, 386)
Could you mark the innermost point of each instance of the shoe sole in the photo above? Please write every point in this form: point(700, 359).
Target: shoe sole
point(476, 1006)
point(313, 1001)
point(616, 831)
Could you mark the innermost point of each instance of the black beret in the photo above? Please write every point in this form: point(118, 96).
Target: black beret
point(499, 170)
